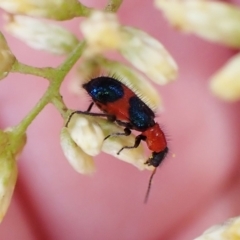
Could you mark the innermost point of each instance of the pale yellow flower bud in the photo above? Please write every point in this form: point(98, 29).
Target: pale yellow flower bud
point(227, 230)
point(8, 177)
point(78, 159)
point(226, 82)
point(7, 59)
point(41, 35)
point(148, 55)
point(86, 133)
point(54, 9)
point(10, 148)
point(102, 32)
point(212, 20)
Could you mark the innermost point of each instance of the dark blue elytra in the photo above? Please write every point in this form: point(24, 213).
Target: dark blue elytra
point(104, 89)
point(140, 115)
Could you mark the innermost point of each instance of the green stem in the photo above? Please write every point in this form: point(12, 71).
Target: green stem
point(60, 105)
point(23, 125)
point(47, 72)
point(67, 65)
point(52, 93)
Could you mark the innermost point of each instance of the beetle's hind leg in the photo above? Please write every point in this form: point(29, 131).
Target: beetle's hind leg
point(138, 139)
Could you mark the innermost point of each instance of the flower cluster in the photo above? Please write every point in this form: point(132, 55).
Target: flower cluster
point(215, 21)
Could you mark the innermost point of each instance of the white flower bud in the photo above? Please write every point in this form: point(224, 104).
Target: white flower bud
point(78, 159)
point(227, 230)
point(149, 56)
point(10, 148)
point(102, 32)
point(86, 133)
point(113, 144)
point(226, 82)
point(212, 20)
point(41, 35)
point(54, 9)
point(7, 59)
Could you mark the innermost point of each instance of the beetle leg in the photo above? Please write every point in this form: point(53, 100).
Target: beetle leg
point(138, 139)
point(126, 132)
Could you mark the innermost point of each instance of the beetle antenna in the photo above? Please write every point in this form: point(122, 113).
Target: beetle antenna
point(149, 185)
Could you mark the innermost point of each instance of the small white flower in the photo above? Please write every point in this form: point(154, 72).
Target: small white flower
point(212, 20)
point(55, 9)
point(226, 82)
point(7, 59)
point(227, 230)
point(41, 35)
point(78, 159)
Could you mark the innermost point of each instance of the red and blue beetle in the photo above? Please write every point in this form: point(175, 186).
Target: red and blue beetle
point(120, 104)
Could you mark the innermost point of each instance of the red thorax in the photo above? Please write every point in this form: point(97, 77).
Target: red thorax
point(155, 138)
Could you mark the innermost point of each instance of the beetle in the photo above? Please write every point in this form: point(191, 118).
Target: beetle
point(119, 103)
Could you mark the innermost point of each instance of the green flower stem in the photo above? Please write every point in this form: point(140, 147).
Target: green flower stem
point(52, 94)
point(21, 128)
point(60, 105)
point(67, 65)
point(47, 72)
